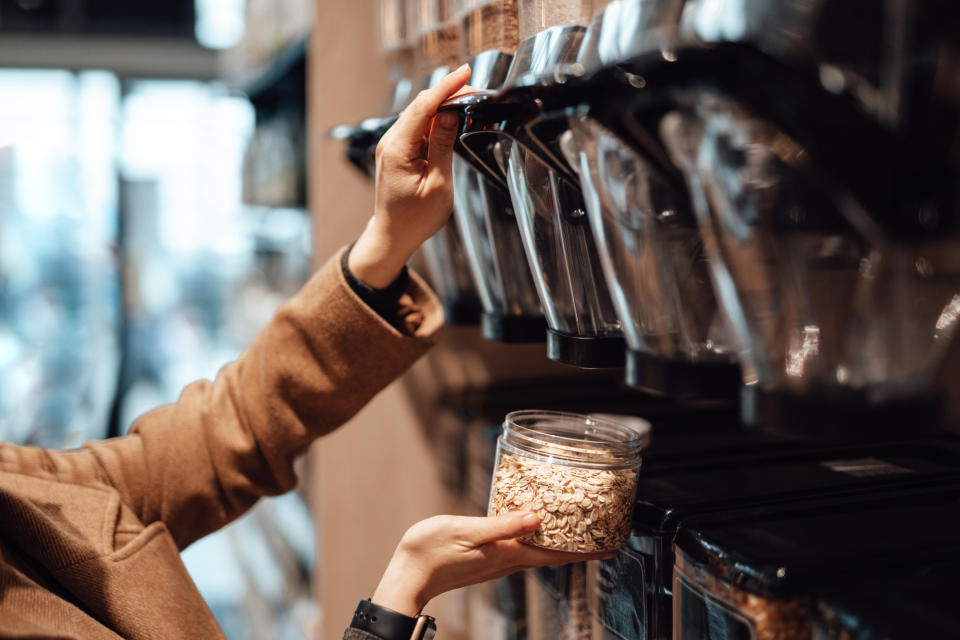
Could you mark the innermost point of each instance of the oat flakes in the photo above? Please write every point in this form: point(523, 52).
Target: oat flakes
point(580, 509)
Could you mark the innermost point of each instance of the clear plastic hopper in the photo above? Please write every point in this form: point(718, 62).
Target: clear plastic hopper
point(442, 259)
point(843, 313)
point(646, 235)
point(486, 222)
point(655, 266)
point(560, 250)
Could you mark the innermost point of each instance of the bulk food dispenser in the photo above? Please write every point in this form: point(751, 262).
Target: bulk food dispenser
point(485, 219)
point(645, 231)
point(842, 290)
point(650, 249)
point(583, 329)
point(780, 480)
point(482, 210)
point(643, 123)
point(750, 202)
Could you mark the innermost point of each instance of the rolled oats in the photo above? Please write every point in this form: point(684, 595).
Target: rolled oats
point(580, 509)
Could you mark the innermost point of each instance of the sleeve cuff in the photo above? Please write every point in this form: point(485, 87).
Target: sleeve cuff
point(382, 301)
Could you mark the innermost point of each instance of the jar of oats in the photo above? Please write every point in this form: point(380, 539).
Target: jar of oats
point(577, 472)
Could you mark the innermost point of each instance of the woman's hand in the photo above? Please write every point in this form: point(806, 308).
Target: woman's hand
point(414, 184)
point(447, 552)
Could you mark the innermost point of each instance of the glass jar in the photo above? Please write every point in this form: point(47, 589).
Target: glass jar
point(577, 473)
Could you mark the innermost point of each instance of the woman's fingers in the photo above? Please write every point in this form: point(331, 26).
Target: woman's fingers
point(416, 119)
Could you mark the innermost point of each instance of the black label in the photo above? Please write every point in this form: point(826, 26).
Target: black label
point(865, 467)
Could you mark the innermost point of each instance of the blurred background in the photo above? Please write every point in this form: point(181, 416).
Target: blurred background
point(152, 216)
point(760, 263)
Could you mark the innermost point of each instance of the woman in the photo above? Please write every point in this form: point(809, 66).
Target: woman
point(90, 538)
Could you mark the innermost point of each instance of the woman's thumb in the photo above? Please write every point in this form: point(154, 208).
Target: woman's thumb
point(504, 527)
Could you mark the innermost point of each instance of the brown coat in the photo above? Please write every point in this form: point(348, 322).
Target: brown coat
point(90, 538)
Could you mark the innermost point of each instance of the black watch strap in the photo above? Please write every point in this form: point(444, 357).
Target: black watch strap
point(383, 622)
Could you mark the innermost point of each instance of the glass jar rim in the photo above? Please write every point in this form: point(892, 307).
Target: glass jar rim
point(598, 443)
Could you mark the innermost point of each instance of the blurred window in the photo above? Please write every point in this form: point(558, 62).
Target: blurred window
point(130, 267)
point(59, 305)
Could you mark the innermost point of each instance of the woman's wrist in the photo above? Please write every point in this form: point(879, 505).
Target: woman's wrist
point(401, 589)
point(376, 258)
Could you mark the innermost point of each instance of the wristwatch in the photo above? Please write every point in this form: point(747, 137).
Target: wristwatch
point(391, 625)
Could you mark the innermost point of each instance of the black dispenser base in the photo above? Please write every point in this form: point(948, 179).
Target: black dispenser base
point(682, 378)
point(839, 414)
point(504, 328)
point(586, 353)
point(462, 313)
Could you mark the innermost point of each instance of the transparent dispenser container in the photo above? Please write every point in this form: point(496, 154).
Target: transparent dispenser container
point(482, 210)
point(439, 35)
point(726, 482)
point(436, 37)
point(843, 314)
point(444, 262)
point(486, 222)
point(654, 265)
point(707, 606)
point(866, 49)
point(490, 38)
point(541, 57)
point(489, 25)
point(558, 602)
point(918, 603)
point(760, 577)
point(539, 15)
point(625, 28)
point(584, 330)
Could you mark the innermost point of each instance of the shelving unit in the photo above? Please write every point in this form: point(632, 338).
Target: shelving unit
point(158, 57)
